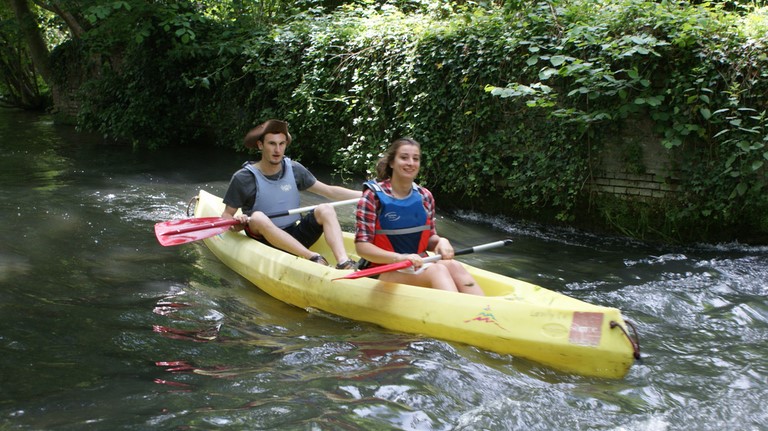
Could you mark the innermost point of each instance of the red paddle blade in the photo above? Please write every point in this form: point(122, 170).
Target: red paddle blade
point(376, 270)
point(176, 232)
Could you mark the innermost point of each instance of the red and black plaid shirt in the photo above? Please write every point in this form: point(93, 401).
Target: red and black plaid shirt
point(368, 208)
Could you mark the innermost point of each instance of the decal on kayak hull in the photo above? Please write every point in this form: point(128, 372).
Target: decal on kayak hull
point(485, 316)
point(586, 328)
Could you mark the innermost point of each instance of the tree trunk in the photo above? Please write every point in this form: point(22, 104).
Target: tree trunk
point(30, 30)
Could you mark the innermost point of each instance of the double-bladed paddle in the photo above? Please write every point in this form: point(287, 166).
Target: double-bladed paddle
point(176, 232)
point(406, 263)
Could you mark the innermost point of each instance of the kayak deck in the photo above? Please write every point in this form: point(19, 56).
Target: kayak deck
point(515, 317)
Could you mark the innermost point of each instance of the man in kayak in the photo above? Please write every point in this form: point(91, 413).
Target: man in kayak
point(272, 185)
point(396, 222)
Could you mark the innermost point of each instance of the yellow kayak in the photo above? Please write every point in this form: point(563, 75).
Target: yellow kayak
point(515, 317)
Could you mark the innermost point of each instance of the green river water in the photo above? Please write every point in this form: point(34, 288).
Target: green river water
point(101, 328)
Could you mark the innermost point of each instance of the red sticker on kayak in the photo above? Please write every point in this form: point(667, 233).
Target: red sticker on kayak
point(586, 329)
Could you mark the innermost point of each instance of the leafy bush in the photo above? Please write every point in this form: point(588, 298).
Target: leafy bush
point(511, 106)
point(698, 72)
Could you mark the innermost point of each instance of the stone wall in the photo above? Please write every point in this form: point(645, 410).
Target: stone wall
point(635, 165)
point(635, 186)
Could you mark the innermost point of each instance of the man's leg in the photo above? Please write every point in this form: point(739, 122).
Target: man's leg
point(326, 217)
point(262, 225)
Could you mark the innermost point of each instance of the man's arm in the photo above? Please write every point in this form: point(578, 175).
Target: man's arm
point(229, 212)
point(334, 193)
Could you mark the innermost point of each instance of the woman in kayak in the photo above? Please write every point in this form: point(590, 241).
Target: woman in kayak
point(396, 222)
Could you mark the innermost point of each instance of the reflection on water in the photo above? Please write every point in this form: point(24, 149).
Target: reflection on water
point(102, 328)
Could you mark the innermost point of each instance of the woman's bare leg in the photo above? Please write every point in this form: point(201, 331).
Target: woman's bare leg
point(462, 279)
point(435, 276)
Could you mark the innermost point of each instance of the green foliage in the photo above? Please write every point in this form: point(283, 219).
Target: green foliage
point(698, 72)
point(21, 86)
point(369, 79)
point(510, 105)
point(154, 72)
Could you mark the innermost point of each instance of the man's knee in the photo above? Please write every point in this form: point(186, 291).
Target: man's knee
point(324, 212)
point(258, 220)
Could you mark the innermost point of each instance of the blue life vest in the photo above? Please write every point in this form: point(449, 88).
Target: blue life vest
point(402, 225)
point(276, 196)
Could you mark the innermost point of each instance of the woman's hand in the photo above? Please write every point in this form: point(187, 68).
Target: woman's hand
point(415, 259)
point(444, 248)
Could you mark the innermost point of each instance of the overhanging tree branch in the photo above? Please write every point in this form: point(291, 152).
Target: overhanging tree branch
point(30, 31)
point(70, 18)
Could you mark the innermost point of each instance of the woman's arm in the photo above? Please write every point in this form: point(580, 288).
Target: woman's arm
point(375, 254)
point(436, 243)
point(441, 246)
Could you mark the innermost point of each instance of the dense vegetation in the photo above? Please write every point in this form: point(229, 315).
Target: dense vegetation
point(513, 102)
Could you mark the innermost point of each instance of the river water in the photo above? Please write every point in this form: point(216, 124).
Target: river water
point(103, 329)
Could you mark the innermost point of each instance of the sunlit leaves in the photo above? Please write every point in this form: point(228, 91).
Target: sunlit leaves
point(537, 92)
point(99, 12)
point(689, 68)
point(557, 60)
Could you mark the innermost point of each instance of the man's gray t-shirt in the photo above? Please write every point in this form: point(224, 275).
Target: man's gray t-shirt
point(242, 187)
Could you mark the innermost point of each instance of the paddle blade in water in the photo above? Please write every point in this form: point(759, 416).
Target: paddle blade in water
point(177, 232)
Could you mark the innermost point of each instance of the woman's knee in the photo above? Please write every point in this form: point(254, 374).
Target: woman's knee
point(452, 266)
point(456, 270)
point(439, 269)
point(439, 275)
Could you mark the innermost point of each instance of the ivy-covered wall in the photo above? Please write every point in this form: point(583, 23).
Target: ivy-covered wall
point(521, 111)
point(636, 166)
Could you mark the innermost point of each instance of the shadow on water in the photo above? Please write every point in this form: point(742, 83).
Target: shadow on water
point(102, 328)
